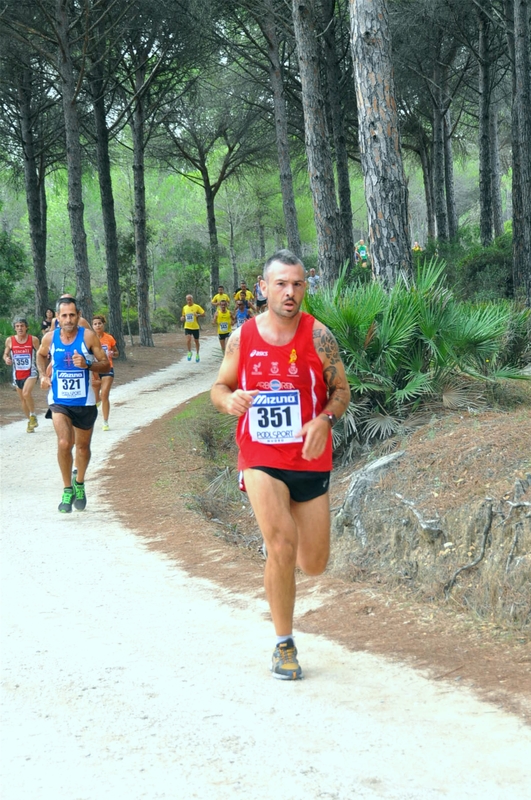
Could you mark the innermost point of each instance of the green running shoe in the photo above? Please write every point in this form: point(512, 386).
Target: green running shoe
point(65, 506)
point(81, 499)
point(285, 665)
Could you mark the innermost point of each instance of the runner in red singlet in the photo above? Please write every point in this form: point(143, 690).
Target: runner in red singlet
point(19, 353)
point(283, 377)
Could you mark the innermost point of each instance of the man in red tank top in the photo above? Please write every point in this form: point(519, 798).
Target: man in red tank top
point(283, 377)
point(19, 353)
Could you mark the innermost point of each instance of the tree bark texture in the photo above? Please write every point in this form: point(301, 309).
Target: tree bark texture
point(107, 210)
point(232, 251)
point(516, 193)
point(212, 232)
point(320, 165)
point(386, 191)
point(425, 161)
point(451, 208)
point(497, 207)
point(522, 144)
point(439, 194)
point(142, 266)
point(269, 30)
point(65, 69)
point(485, 164)
point(333, 81)
point(35, 189)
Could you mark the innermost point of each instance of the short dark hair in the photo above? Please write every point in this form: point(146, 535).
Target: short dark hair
point(66, 301)
point(284, 257)
point(21, 319)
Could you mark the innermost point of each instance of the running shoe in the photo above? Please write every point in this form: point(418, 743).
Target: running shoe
point(105, 426)
point(81, 499)
point(30, 428)
point(33, 421)
point(197, 357)
point(285, 665)
point(65, 506)
point(189, 356)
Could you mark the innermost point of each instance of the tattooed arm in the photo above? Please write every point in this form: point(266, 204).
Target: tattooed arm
point(333, 370)
point(225, 395)
point(317, 430)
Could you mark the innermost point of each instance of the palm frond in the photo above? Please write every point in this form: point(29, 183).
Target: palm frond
point(380, 426)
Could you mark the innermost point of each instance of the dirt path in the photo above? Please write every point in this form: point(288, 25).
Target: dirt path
point(125, 677)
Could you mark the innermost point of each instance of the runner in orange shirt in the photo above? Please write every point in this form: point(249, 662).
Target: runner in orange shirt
point(102, 383)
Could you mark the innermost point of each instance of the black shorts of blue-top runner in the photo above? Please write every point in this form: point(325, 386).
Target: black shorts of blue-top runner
point(82, 417)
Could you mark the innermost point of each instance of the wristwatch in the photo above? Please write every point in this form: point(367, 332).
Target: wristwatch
point(332, 419)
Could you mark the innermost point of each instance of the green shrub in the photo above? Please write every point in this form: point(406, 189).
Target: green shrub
point(416, 347)
point(486, 273)
point(162, 321)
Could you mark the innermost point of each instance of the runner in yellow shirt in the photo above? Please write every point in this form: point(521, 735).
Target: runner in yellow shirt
point(191, 311)
point(221, 295)
point(248, 295)
point(224, 319)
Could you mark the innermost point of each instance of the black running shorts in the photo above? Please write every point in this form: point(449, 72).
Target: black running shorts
point(82, 417)
point(303, 486)
point(20, 383)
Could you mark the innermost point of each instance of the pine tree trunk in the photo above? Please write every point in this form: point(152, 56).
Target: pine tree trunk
point(497, 207)
point(485, 166)
point(334, 80)
point(212, 233)
point(381, 157)
point(34, 190)
point(516, 193)
point(232, 251)
point(439, 195)
point(73, 159)
point(522, 144)
point(107, 210)
point(428, 189)
point(261, 239)
point(320, 165)
point(451, 209)
point(281, 129)
point(142, 266)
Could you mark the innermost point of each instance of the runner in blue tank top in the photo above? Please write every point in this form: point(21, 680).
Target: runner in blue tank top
point(74, 352)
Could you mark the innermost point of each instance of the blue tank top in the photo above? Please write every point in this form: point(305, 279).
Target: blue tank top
point(71, 385)
point(241, 316)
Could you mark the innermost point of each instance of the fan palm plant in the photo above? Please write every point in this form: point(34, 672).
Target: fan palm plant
point(416, 346)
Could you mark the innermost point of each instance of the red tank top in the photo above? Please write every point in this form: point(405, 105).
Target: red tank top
point(23, 359)
point(292, 392)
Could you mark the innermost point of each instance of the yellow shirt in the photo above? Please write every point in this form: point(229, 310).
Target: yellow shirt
point(248, 295)
point(223, 318)
point(190, 318)
point(219, 297)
